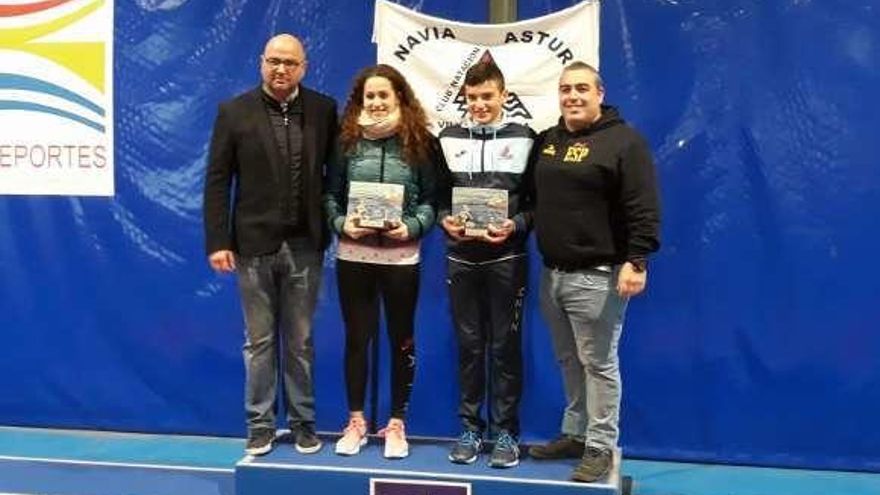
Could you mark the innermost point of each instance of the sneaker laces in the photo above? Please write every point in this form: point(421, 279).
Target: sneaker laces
point(594, 452)
point(469, 438)
point(357, 425)
point(395, 428)
point(506, 441)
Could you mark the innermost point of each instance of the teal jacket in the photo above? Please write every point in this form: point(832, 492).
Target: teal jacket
point(382, 161)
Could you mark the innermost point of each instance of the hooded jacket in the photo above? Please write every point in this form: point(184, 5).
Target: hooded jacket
point(489, 156)
point(596, 195)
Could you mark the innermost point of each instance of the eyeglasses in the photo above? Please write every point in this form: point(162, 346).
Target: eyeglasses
point(287, 63)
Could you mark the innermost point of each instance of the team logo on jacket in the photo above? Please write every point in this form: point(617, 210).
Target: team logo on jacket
point(549, 150)
point(576, 153)
point(505, 154)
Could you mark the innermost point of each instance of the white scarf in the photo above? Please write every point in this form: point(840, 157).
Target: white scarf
point(373, 129)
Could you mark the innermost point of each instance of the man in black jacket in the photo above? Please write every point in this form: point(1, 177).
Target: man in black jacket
point(263, 220)
point(597, 219)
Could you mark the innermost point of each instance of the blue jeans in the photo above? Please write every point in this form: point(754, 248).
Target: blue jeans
point(585, 317)
point(278, 294)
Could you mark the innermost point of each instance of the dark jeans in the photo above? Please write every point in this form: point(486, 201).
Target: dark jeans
point(487, 304)
point(361, 287)
point(278, 295)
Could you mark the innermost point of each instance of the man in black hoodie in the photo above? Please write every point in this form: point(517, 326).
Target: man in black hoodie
point(597, 219)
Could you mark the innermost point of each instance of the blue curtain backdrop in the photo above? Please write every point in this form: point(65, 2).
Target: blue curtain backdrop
point(756, 342)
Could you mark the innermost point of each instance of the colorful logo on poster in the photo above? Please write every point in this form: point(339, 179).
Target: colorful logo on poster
point(55, 97)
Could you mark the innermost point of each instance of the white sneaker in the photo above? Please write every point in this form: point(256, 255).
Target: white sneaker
point(396, 446)
point(353, 437)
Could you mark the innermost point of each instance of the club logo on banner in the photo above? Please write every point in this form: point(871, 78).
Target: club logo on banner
point(56, 97)
point(434, 54)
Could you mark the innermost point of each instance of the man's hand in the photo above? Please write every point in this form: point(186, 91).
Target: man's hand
point(222, 261)
point(352, 230)
point(453, 228)
point(497, 235)
point(630, 282)
point(398, 232)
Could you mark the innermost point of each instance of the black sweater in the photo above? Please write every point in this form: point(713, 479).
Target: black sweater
point(596, 195)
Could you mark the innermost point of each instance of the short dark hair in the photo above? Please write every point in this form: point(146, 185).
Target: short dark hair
point(482, 72)
point(579, 65)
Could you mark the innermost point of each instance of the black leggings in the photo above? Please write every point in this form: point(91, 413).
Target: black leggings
point(361, 285)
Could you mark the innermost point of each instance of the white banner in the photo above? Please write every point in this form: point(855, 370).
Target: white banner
point(434, 54)
point(56, 97)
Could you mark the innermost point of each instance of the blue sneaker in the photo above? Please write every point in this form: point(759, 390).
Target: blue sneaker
point(506, 452)
point(467, 449)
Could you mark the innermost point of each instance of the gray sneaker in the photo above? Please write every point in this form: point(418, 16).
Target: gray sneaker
point(594, 465)
point(467, 448)
point(259, 442)
point(506, 452)
point(564, 447)
point(305, 441)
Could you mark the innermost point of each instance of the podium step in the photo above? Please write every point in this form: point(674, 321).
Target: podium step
point(72, 477)
point(426, 472)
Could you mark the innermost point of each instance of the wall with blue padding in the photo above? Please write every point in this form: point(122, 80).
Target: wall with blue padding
point(757, 341)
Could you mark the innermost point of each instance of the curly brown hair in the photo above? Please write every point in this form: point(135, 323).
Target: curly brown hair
point(413, 131)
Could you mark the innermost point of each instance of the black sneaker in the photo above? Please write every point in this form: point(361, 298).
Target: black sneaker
point(259, 442)
point(506, 452)
point(467, 449)
point(564, 447)
point(594, 465)
point(305, 441)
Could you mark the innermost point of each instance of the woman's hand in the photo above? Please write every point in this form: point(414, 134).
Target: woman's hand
point(398, 232)
point(351, 229)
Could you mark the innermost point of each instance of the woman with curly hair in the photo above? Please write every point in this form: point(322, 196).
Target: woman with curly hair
point(384, 139)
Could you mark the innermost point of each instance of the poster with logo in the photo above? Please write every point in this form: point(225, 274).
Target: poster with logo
point(434, 54)
point(56, 97)
point(390, 486)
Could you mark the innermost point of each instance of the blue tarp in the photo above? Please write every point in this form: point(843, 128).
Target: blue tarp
point(756, 342)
